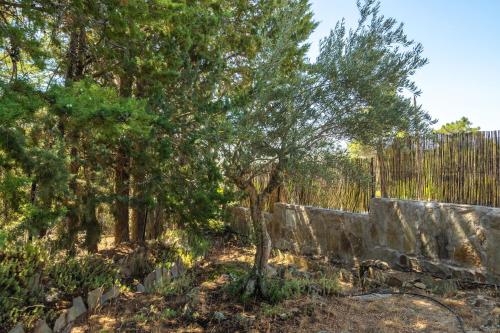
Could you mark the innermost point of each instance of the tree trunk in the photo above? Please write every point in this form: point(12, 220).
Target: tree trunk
point(381, 169)
point(139, 217)
point(122, 190)
point(73, 215)
point(122, 176)
point(257, 281)
point(92, 227)
point(156, 219)
point(75, 69)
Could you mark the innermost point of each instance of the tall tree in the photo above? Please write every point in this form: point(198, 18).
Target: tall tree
point(295, 114)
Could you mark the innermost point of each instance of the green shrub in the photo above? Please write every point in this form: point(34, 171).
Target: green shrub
point(20, 274)
point(189, 244)
point(160, 252)
point(280, 289)
point(79, 275)
point(178, 286)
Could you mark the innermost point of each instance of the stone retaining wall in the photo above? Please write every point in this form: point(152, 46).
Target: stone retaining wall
point(449, 240)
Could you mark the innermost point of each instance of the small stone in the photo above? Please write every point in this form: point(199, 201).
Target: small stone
point(420, 285)
point(219, 316)
point(114, 292)
point(77, 309)
point(140, 288)
point(17, 329)
point(42, 327)
point(245, 319)
point(250, 287)
point(158, 274)
point(149, 281)
point(52, 295)
point(94, 298)
point(61, 322)
point(284, 316)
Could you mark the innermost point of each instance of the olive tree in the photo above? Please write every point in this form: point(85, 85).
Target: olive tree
point(296, 114)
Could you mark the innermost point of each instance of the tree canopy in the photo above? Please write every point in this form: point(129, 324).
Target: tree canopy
point(138, 115)
point(463, 125)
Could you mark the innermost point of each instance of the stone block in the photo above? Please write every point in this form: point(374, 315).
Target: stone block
point(61, 322)
point(17, 329)
point(94, 298)
point(112, 293)
point(76, 310)
point(42, 327)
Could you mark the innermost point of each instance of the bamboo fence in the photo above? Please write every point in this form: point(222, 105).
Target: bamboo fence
point(461, 168)
point(344, 191)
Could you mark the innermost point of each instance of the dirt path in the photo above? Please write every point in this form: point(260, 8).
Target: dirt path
point(205, 305)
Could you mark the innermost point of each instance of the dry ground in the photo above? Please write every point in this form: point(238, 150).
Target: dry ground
point(206, 305)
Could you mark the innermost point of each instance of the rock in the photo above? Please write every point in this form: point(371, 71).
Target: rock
point(158, 274)
point(219, 316)
point(140, 288)
point(17, 329)
point(393, 281)
point(271, 271)
point(250, 287)
point(94, 298)
point(114, 292)
point(76, 310)
point(180, 266)
point(52, 295)
point(496, 312)
point(61, 322)
point(404, 261)
point(245, 319)
point(149, 281)
point(420, 285)
point(437, 269)
point(41, 327)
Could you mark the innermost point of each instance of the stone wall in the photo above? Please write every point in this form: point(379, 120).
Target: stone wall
point(446, 239)
point(453, 236)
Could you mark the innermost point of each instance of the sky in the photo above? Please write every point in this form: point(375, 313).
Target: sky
point(461, 40)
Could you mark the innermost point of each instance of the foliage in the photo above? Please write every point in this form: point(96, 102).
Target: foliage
point(296, 115)
point(78, 276)
point(178, 286)
point(463, 125)
point(189, 244)
point(21, 269)
point(289, 287)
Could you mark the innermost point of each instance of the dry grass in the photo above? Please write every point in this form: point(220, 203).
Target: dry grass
point(194, 311)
